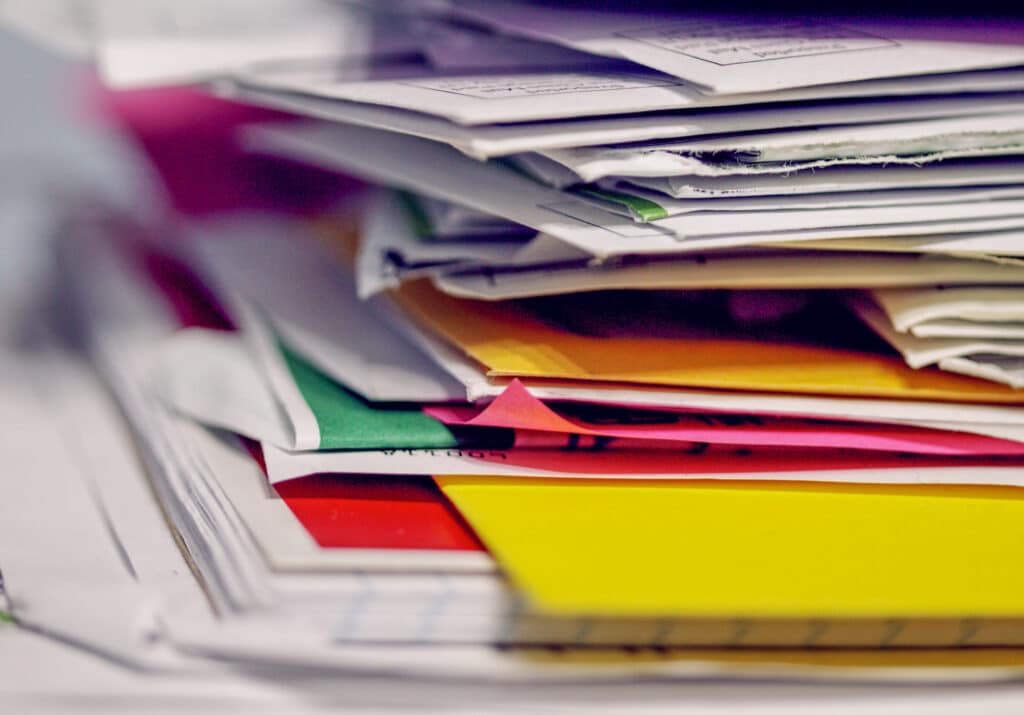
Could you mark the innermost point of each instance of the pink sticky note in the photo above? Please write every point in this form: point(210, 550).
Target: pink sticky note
point(517, 409)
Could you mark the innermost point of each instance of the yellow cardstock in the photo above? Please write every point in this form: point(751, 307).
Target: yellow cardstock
point(510, 342)
point(752, 549)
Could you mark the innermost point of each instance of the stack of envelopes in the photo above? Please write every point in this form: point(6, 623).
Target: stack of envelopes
point(659, 330)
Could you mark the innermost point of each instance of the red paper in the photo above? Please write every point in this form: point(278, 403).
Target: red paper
point(375, 512)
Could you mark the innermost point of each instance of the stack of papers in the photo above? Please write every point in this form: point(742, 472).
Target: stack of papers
point(295, 430)
point(658, 344)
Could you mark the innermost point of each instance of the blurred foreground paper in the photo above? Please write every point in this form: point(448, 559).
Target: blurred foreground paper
point(151, 42)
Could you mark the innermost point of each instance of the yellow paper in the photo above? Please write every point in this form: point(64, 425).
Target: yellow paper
point(752, 549)
point(512, 343)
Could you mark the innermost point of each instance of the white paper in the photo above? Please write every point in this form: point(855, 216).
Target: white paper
point(959, 134)
point(285, 541)
point(485, 141)
point(956, 328)
point(504, 97)
point(390, 251)
point(150, 42)
point(614, 668)
point(912, 143)
point(1007, 369)
point(996, 246)
point(212, 378)
point(56, 25)
point(451, 221)
point(439, 171)
point(282, 466)
point(797, 269)
point(747, 53)
point(920, 352)
point(981, 303)
point(307, 279)
point(708, 231)
point(619, 200)
point(65, 571)
point(989, 172)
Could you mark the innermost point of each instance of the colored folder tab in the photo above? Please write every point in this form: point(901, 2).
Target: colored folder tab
point(752, 549)
point(512, 342)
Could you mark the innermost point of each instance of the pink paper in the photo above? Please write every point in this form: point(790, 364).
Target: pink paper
point(517, 409)
point(723, 460)
point(191, 138)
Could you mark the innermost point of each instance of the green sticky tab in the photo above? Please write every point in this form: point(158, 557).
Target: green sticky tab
point(643, 209)
point(347, 421)
point(6, 617)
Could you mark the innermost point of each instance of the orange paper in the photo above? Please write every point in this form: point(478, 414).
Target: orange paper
point(510, 342)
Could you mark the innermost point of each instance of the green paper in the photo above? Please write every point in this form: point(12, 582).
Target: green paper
point(347, 421)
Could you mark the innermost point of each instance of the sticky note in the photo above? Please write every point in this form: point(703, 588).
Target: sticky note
point(751, 549)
